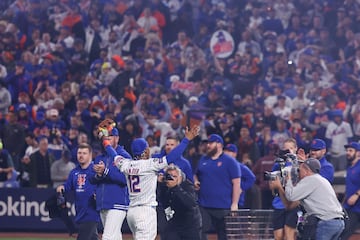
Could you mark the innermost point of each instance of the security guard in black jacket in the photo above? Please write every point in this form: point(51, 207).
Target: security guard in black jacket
point(178, 197)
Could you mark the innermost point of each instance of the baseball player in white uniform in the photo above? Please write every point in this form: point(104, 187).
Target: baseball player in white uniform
point(141, 174)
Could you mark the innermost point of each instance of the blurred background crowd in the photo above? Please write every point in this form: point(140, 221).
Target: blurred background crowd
point(65, 65)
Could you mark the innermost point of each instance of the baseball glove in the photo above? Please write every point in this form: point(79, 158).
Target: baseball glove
point(105, 128)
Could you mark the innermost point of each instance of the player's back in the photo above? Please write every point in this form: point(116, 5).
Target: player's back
point(141, 176)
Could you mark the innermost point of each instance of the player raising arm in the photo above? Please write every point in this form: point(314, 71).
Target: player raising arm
point(141, 175)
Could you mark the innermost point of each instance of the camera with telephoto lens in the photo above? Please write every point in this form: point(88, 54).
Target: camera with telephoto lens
point(168, 177)
point(283, 157)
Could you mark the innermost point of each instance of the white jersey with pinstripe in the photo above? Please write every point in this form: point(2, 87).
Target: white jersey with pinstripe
point(141, 176)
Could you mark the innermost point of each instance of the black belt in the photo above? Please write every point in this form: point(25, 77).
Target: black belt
point(338, 218)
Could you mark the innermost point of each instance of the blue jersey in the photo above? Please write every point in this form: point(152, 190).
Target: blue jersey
point(247, 181)
point(352, 185)
point(182, 163)
point(326, 170)
point(215, 178)
point(112, 181)
point(79, 181)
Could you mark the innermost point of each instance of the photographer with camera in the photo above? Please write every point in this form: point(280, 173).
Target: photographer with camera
point(178, 197)
point(322, 221)
point(284, 220)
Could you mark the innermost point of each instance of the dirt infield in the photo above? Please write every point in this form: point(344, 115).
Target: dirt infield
point(63, 236)
point(14, 235)
point(55, 236)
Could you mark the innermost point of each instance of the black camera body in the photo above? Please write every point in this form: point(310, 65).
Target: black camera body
point(271, 176)
point(283, 157)
point(168, 177)
point(60, 200)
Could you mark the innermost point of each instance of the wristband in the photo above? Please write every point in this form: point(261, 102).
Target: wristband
point(106, 143)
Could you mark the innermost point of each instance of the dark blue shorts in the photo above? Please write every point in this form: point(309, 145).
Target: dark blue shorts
point(282, 217)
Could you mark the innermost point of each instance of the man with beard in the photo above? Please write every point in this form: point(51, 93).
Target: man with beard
point(318, 151)
point(352, 193)
point(219, 176)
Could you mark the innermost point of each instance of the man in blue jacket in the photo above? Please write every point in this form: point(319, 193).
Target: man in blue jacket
point(78, 181)
point(112, 198)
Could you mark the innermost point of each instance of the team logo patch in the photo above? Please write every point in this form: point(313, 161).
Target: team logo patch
point(117, 160)
point(81, 180)
point(219, 164)
point(159, 160)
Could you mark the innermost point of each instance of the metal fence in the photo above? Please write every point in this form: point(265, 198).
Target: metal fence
point(249, 224)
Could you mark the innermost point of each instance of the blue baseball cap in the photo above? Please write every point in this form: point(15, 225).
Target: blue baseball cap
point(216, 138)
point(138, 146)
point(114, 132)
point(336, 113)
point(354, 145)
point(231, 148)
point(317, 144)
point(40, 116)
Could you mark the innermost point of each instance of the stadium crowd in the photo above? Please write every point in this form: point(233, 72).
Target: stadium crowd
point(292, 71)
